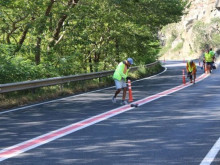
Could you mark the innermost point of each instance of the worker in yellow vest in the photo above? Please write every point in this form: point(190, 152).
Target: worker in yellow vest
point(212, 53)
point(120, 76)
point(208, 60)
point(191, 71)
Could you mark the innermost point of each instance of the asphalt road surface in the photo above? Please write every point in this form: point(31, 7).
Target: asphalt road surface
point(179, 127)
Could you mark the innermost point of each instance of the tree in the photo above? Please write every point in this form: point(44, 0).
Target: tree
point(71, 36)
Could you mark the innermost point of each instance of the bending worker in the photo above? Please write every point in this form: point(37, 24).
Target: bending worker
point(212, 54)
point(120, 77)
point(208, 60)
point(191, 70)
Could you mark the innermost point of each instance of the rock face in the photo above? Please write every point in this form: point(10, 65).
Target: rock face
point(179, 40)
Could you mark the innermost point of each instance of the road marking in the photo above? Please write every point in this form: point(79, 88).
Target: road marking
point(167, 92)
point(46, 138)
point(211, 154)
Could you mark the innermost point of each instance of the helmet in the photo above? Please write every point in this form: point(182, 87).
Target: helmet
point(130, 60)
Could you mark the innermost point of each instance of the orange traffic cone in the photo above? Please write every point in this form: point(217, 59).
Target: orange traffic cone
point(206, 70)
point(184, 79)
point(130, 92)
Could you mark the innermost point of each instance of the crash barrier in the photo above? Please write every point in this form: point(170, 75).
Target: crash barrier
point(10, 87)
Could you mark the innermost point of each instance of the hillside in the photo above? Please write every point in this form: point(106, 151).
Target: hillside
point(197, 30)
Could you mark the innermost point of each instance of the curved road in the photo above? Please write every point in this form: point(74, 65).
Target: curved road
point(177, 127)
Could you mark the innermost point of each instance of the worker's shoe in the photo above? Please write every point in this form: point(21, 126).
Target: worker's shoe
point(114, 99)
point(124, 102)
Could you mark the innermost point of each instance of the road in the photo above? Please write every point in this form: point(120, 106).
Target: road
point(176, 127)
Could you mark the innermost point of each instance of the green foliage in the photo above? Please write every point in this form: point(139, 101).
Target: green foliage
point(170, 29)
point(142, 71)
point(178, 47)
point(19, 69)
point(206, 35)
point(168, 45)
point(216, 40)
point(165, 49)
point(215, 36)
point(94, 35)
point(200, 36)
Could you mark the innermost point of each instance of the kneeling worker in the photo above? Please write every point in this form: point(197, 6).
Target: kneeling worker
point(191, 70)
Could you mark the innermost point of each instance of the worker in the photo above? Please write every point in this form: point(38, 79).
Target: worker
point(191, 71)
point(120, 76)
point(212, 54)
point(208, 60)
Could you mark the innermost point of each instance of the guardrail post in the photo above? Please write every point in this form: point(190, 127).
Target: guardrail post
point(61, 87)
point(100, 81)
point(33, 90)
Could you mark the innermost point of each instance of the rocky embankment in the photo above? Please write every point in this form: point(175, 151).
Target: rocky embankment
point(197, 30)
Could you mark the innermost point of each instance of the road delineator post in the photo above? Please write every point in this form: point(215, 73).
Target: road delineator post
point(184, 79)
point(130, 91)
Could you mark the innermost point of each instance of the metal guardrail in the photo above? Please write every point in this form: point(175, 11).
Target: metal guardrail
point(59, 80)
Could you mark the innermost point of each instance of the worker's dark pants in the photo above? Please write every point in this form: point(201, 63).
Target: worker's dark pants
point(189, 75)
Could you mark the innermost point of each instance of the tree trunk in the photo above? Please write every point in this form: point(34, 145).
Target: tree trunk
point(23, 36)
point(21, 41)
point(90, 63)
point(96, 60)
point(14, 27)
point(71, 4)
point(41, 30)
point(117, 50)
point(38, 51)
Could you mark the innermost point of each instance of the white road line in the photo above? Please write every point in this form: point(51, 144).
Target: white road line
point(30, 106)
point(211, 154)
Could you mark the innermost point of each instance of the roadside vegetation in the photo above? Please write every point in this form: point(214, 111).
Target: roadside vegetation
point(31, 96)
point(47, 38)
point(206, 34)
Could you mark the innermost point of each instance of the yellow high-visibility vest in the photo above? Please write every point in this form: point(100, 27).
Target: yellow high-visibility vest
point(208, 57)
point(191, 68)
point(119, 72)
